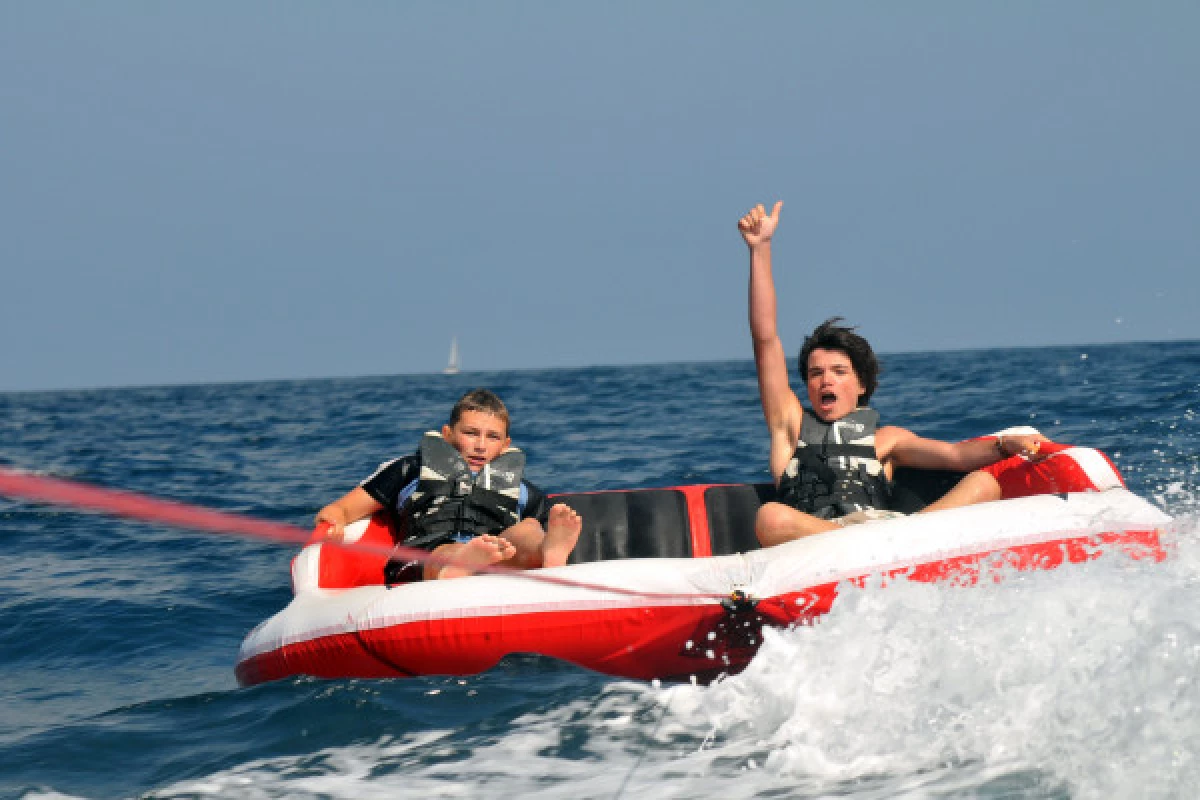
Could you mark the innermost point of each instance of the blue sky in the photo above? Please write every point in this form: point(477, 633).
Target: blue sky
point(195, 192)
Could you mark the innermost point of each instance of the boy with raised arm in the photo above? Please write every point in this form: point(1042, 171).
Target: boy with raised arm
point(462, 496)
point(832, 463)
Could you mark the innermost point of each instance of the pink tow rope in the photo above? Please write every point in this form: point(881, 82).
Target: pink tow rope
point(56, 491)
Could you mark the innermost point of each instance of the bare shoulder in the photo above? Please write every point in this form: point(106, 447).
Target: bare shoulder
point(888, 437)
point(784, 430)
point(792, 416)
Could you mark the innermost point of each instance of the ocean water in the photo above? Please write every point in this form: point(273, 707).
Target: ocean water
point(118, 638)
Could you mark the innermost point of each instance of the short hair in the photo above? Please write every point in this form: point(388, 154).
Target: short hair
point(479, 400)
point(829, 335)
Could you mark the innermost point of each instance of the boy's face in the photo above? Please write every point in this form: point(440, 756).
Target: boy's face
point(833, 385)
point(479, 436)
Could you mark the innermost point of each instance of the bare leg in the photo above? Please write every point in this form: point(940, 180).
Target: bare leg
point(527, 538)
point(977, 487)
point(479, 552)
point(777, 523)
point(549, 548)
point(562, 532)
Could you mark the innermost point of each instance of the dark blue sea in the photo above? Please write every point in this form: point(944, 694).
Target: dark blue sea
point(118, 638)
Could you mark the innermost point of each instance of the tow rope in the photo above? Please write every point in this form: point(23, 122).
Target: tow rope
point(131, 505)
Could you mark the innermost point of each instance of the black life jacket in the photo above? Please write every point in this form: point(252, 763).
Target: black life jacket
point(450, 500)
point(835, 470)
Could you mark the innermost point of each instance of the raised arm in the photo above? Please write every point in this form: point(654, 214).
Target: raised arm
point(781, 407)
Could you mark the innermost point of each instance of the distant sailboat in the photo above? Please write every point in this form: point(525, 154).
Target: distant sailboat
point(452, 366)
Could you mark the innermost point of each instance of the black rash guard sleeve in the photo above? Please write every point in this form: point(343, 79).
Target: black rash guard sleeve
point(387, 482)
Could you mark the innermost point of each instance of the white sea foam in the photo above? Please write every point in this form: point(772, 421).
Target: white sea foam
point(1077, 682)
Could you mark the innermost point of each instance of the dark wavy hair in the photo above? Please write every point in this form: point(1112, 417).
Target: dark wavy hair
point(479, 400)
point(829, 335)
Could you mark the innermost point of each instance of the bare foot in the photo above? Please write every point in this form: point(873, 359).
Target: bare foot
point(562, 532)
point(479, 552)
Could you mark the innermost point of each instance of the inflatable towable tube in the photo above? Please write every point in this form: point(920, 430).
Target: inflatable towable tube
point(670, 583)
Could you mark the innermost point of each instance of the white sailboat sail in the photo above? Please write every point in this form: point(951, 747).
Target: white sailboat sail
point(452, 365)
